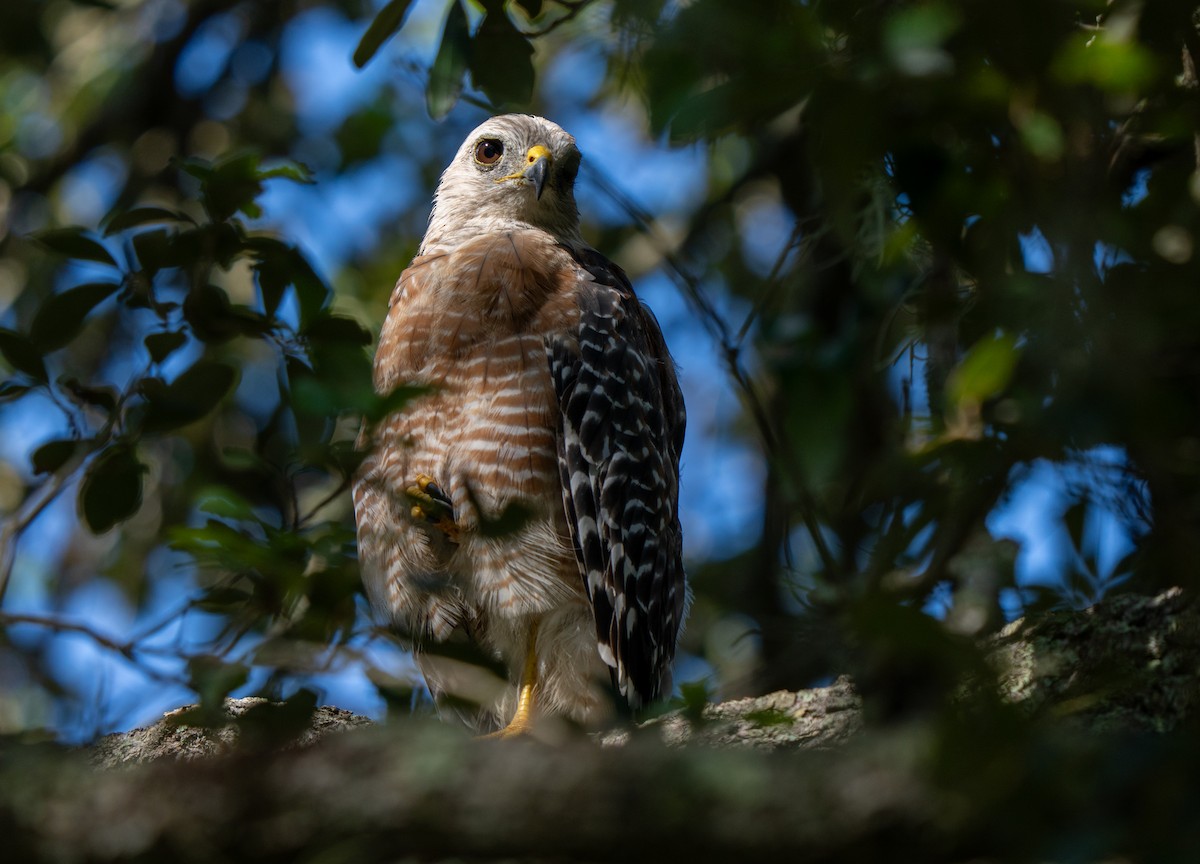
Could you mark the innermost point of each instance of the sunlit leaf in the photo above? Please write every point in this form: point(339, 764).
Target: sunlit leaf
point(224, 503)
point(1105, 63)
point(984, 372)
point(389, 20)
point(75, 243)
point(111, 491)
point(61, 317)
point(294, 171)
point(446, 74)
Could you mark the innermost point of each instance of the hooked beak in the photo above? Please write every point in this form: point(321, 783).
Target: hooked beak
point(536, 174)
point(537, 168)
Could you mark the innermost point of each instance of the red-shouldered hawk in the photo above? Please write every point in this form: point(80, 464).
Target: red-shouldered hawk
point(553, 398)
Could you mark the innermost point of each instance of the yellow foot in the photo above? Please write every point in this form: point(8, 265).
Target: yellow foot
point(512, 730)
point(522, 721)
point(431, 504)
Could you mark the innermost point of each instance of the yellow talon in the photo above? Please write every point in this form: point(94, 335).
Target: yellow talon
point(431, 504)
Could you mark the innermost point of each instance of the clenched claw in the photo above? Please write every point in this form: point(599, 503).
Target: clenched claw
point(431, 504)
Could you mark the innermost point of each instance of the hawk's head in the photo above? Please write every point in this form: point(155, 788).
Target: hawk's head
point(513, 170)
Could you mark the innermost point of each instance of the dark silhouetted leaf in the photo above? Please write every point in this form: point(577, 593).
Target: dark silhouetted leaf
point(53, 455)
point(501, 61)
point(22, 355)
point(223, 599)
point(532, 8)
point(155, 250)
point(97, 397)
point(10, 390)
point(111, 491)
point(276, 723)
point(337, 328)
point(389, 20)
point(143, 216)
point(362, 134)
point(1075, 519)
point(75, 243)
point(61, 317)
point(446, 74)
point(231, 185)
point(311, 291)
point(189, 397)
point(215, 319)
point(272, 266)
point(213, 679)
point(162, 345)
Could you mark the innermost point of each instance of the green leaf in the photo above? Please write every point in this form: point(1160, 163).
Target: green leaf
point(22, 355)
point(389, 20)
point(74, 243)
point(226, 503)
point(446, 74)
point(162, 345)
point(501, 62)
point(297, 172)
point(61, 317)
point(143, 216)
point(111, 491)
point(53, 455)
point(1106, 63)
point(984, 372)
point(191, 396)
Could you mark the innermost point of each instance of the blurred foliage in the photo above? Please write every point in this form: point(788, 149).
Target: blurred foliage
point(991, 265)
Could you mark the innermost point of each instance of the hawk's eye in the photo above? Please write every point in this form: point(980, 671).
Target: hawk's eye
point(488, 151)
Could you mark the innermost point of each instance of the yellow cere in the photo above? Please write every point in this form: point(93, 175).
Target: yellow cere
point(536, 152)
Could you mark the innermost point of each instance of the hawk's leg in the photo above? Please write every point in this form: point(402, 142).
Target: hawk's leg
point(522, 721)
point(431, 504)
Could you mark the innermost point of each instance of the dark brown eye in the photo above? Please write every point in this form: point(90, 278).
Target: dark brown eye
point(488, 151)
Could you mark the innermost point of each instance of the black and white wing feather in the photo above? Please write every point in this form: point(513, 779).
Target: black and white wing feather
point(621, 427)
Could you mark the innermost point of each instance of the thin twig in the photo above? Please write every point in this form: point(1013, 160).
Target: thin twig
point(10, 534)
